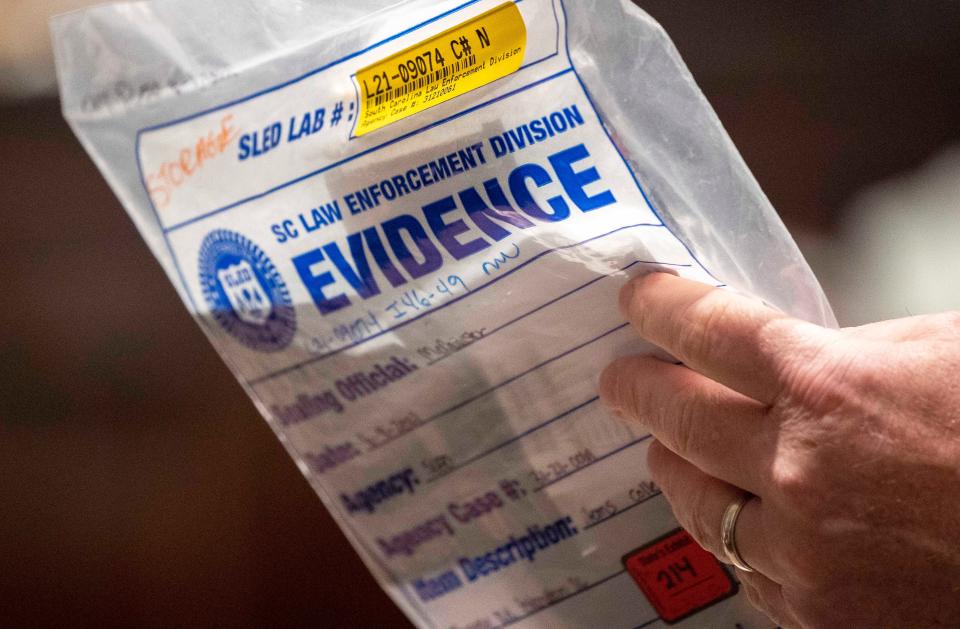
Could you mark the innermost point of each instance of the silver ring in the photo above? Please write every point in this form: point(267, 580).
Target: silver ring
point(728, 533)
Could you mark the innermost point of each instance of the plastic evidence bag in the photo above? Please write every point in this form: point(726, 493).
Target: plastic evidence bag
point(404, 228)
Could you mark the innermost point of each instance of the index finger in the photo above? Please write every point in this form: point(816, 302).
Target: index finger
point(729, 338)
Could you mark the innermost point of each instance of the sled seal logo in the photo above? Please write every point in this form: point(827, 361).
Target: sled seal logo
point(245, 292)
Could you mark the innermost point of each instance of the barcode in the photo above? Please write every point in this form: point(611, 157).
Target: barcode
point(423, 81)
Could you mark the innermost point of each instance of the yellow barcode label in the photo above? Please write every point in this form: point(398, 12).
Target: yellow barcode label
point(470, 55)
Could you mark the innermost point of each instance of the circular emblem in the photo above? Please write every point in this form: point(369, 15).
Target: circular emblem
point(245, 292)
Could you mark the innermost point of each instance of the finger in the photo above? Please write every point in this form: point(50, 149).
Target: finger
point(724, 433)
point(698, 502)
point(767, 596)
point(729, 338)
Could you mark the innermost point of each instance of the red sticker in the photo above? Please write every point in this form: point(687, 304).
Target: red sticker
point(678, 577)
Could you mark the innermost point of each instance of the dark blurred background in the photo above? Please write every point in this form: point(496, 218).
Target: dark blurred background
point(138, 485)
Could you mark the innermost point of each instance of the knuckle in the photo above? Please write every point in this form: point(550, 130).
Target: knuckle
point(821, 379)
point(685, 433)
point(638, 402)
point(796, 488)
point(788, 478)
point(632, 404)
point(696, 335)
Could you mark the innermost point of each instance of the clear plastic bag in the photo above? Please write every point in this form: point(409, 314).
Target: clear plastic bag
point(419, 300)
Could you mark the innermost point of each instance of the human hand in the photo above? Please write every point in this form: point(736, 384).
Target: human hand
point(848, 439)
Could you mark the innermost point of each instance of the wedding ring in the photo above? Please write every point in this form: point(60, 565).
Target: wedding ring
point(728, 533)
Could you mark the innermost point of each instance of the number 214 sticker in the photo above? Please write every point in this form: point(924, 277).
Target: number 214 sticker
point(677, 576)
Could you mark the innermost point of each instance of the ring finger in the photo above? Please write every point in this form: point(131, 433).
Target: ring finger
point(698, 502)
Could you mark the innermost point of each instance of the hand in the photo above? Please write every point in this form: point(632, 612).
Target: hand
point(848, 439)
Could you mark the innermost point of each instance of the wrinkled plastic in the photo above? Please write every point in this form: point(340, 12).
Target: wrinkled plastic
point(127, 67)
point(209, 50)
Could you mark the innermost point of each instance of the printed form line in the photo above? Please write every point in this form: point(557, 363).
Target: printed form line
point(414, 604)
point(504, 383)
point(285, 370)
point(513, 439)
point(624, 510)
point(563, 296)
point(593, 462)
point(567, 597)
point(598, 583)
point(593, 585)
